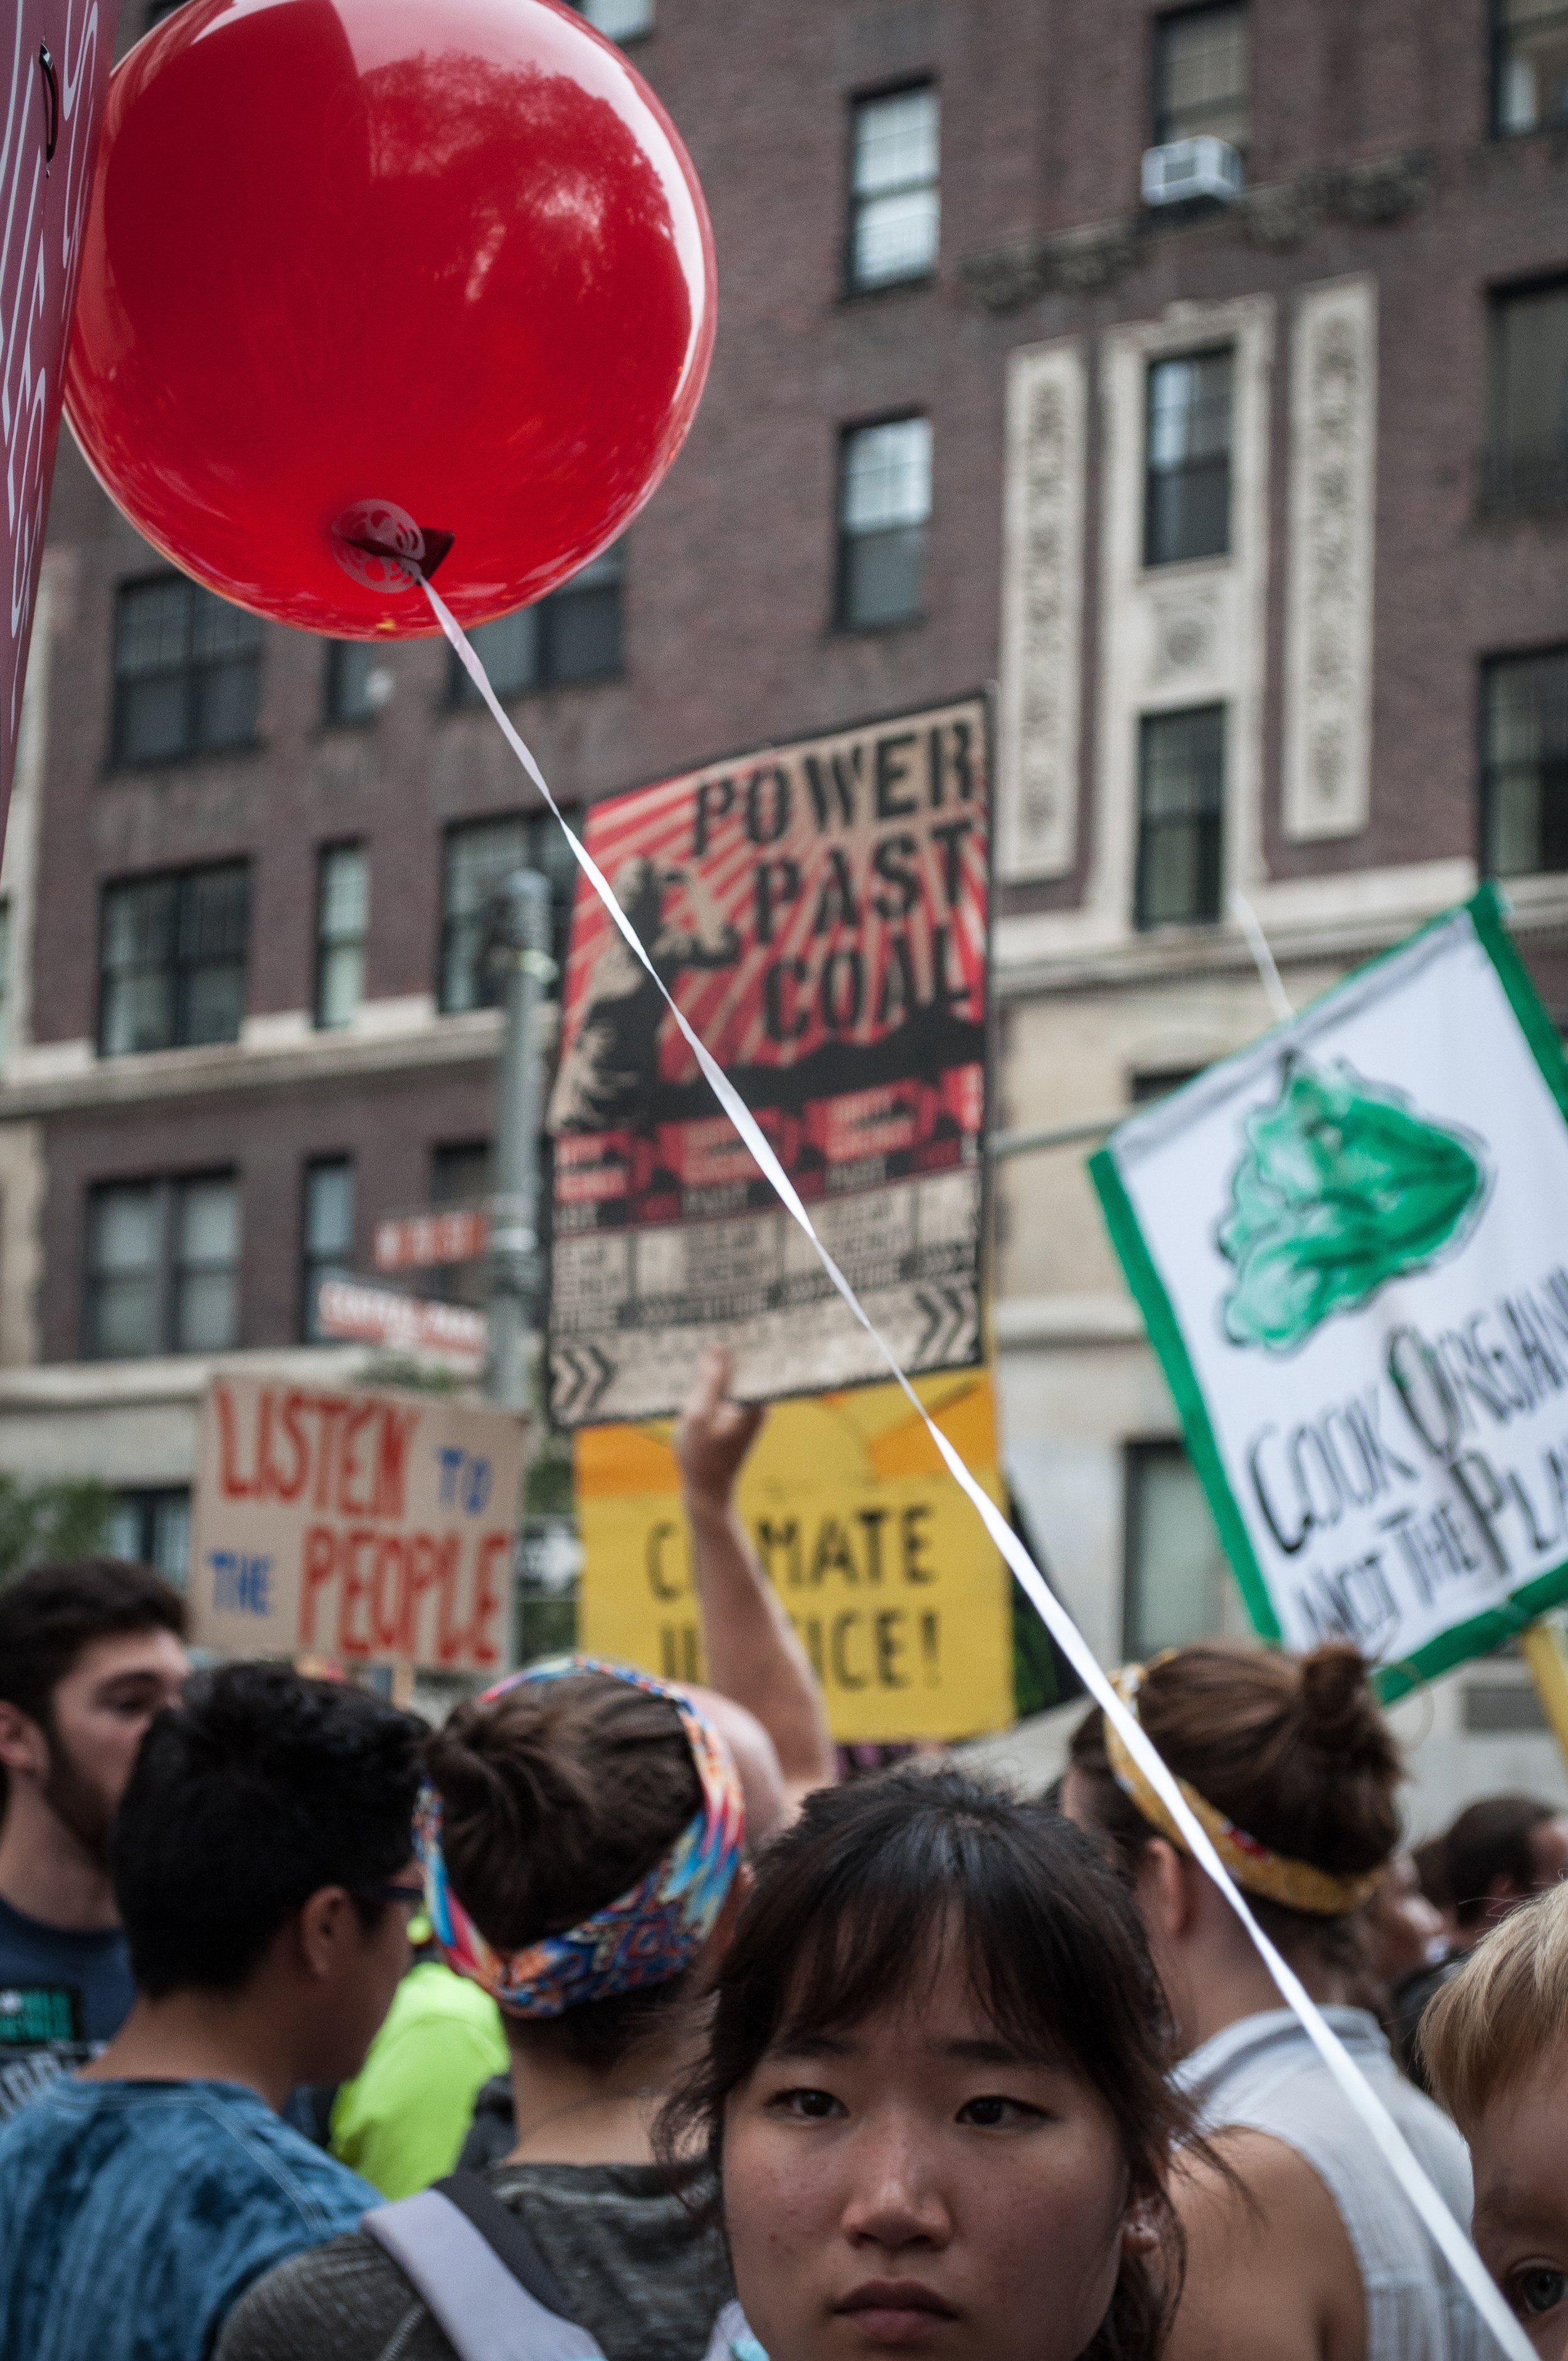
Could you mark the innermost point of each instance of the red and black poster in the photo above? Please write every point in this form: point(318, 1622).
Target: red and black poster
point(55, 74)
point(820, 913)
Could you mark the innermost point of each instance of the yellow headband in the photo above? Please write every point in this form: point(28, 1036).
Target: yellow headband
point(1296, 1884)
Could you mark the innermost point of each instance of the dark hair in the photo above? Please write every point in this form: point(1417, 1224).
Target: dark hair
point(556, 1797)
point(1491, 1840)
point(840, 1923)
point(1432, 1871)
point(48, 1615)
point(253, 1792)
point(1292, 1749)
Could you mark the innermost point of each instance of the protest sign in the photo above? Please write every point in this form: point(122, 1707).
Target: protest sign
point(901, 1600)
point(370, 1528)
point(820, 913)
point(59, 74)
point(1348, 1245)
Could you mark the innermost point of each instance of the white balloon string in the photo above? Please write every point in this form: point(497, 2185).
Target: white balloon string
point(1446, 2234)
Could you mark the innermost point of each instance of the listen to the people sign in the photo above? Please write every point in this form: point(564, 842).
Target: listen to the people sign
point(1348, 1244)
point(368, 1528)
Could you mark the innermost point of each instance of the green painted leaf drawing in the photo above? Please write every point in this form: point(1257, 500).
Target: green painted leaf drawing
point(1340, 1189)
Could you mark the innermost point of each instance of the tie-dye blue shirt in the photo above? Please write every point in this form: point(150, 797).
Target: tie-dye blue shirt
point(134, 2214)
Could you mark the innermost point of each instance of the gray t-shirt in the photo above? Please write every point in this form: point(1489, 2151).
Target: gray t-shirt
point(636, 2268)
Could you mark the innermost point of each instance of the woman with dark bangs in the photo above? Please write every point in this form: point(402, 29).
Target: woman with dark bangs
point(935, 2090)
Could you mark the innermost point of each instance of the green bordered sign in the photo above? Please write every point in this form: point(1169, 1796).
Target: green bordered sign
point(1350, 1246)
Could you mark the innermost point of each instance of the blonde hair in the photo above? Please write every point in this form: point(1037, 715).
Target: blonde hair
point(1493, 2022)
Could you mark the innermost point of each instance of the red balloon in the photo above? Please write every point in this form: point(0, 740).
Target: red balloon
point(385, 271)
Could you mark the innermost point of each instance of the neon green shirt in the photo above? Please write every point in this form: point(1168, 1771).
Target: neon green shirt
point(402, 2121)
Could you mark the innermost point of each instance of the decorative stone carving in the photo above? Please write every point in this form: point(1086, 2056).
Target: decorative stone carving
point(1185, 630)
point(1328, 627)
point(1082, 259)
point(1386, 187)
point(1042, 601)
point(1007, 276)
point(1285, 212)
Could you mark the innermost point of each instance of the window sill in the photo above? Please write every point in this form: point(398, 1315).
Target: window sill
point(119, 766)
point(919, 282)
point(1160, 569)
point(842, 630)
point(512, 697)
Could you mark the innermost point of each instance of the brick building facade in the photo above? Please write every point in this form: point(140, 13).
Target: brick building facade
point(1254, 504)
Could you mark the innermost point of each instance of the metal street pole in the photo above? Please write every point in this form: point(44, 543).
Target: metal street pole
point(521, 939)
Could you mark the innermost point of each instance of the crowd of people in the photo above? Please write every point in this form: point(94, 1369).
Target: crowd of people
point(606, 2020)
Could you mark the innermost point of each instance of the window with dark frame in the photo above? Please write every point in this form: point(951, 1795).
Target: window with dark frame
point(358, 682)
point(187, 672)
point(1201, 76)
point(1186, 468)
point(151, 1526)
point(172, 958)
point(1524, 779)
point(342, 923)
point(1181, 788)
point(162, 1267)
point(885, 511)
point(895, 187)
point(1152, 1082)
point(1526, 454)
point(572, 636)
point(479, 855)
point(326, 1235)
point(1173, 1582)
point(462, 1173)
point(1529, 64)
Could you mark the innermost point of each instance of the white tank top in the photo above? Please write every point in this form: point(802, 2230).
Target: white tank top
point(1262, 2074)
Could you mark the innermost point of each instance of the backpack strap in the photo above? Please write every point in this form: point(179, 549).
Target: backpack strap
point(479, 2273)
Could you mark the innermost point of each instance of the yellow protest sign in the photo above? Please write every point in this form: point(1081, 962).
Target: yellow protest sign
point(884, 1567)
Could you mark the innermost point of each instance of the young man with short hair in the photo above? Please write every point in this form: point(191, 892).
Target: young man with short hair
point(263, 1863)
point(89, 1652)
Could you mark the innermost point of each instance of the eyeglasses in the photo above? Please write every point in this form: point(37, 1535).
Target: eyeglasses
point(411, 1896)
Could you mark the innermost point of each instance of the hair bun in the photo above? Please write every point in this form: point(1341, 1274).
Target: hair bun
point(1338, 1713)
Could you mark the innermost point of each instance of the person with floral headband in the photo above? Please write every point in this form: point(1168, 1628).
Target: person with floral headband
point(1304, 2250)
point(581, 1834)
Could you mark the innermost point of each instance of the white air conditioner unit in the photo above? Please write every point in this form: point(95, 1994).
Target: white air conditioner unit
point(1190, 168)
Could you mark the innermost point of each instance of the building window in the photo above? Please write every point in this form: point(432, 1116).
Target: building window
point(894, 195)
point(462, 1173)
point(187, 672)
point(1187, 478)
point(358, 680)
point(153, 1528)
point(1181, 788)
point(884, 512)
point(174, 960)
point(1174, 1580)
point(619, 20)
point(1524, 792)
point(1201, 76)
point(1529, 64)
point(480, 854)
point(574, 635)
point(1526, 459)
point(328, 1234)
point(342, 919)
point(159, 9)
point(162, 1268)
